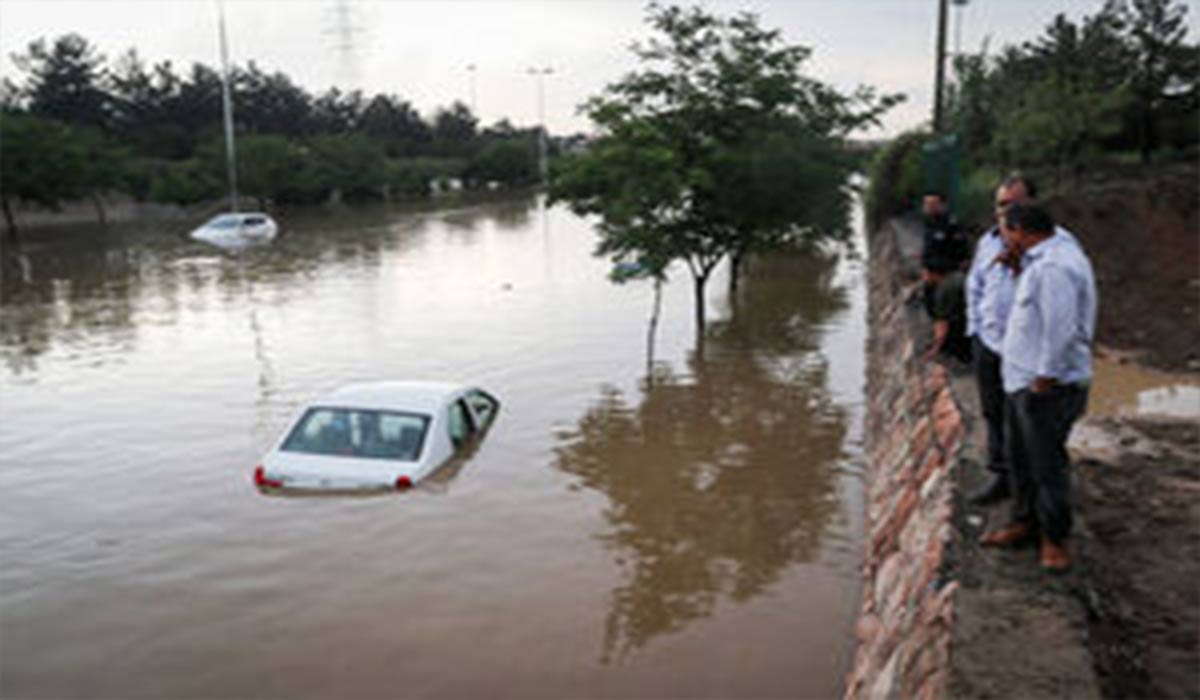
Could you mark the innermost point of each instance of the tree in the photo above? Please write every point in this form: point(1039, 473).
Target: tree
point(395, 124)
point(454, 130)
point(717, 147)
point(1061, 101)
point(335, 112)
point(10, 97)
point(1157, 32)
point(349, 164)
point(270, 103)
point(65, 81)
point(143, 107)
point(41, 161)
point(1057, 122)
point(509, 162)
point(268, 167)
point(103, 169)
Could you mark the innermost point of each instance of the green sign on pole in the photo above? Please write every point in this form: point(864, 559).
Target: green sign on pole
point(940, 166)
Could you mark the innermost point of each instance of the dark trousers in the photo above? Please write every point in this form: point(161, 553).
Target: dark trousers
point(991, 398)
point(1036, 430)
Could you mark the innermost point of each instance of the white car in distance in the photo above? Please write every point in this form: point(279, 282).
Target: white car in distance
point(377, 435)
point(236, 231)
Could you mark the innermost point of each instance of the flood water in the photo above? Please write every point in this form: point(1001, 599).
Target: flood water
point(691, 532)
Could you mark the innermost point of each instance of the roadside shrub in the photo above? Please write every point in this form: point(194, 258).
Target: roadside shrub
point(896, 178)
point(183, 182)
point(509, 162)
point(975, 196)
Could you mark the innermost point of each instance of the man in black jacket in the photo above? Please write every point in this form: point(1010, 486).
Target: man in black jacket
point(944, 242)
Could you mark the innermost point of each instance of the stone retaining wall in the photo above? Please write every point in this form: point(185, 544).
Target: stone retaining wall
point(914, 435)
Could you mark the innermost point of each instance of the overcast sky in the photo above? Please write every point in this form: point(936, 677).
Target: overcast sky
point(420, 50)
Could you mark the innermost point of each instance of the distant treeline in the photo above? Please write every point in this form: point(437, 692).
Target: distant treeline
point(79, 126)
point(1121, 85)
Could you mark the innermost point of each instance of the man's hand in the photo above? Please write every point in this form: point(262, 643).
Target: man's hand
point(941, 331)
point(1042, 384)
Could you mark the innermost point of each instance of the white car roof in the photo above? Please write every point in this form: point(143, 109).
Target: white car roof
point(239, 216)
point(412, 396)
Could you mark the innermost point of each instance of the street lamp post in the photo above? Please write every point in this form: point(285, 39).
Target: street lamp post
point(940, 68)
point(471, 81)
point(958, 23)
point(540, 74)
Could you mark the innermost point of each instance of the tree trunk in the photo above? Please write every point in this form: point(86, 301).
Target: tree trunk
point(699, 281)
point(1145, 128)
point(97, 202)
point(735, 269)
point(652, 330)
point(10, 222)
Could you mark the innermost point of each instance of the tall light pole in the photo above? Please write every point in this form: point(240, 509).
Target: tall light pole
point(958, 24)
point(471, 82)
point(540, 74)
point(940, 68)
point(227, 111)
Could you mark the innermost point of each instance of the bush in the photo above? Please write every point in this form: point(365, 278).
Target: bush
point(183, 182)
point(508, 162)
point(975, 197)
point(896, 178)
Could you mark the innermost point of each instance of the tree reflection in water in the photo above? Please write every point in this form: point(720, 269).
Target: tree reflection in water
point(719, 480)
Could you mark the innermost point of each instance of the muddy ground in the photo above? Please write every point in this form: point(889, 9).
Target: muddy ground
point(1137, 480)
point(1138, 549)
point(1125, 621)
point(1142, 232)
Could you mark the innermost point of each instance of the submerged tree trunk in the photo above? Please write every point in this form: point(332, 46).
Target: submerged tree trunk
point(97, 202)
point(736, 261)
point(652, 330)
point(9, 221)
point(699, 281)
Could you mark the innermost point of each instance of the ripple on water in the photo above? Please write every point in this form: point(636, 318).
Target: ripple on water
point(612, 535)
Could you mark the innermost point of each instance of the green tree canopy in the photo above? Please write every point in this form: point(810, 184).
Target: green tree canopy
point(1121, 79)
point(65, 81)
point(717, 146)
point(43, 162)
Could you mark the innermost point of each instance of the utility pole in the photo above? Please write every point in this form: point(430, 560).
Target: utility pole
point(227, 109)
point(958, 24)
point(540, 74)
point(939, 73)
point(344, 30)
point(471, 78)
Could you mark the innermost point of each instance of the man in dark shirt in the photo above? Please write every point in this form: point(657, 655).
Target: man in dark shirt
point(948, 308)
point(944, 243)
point(944, 239)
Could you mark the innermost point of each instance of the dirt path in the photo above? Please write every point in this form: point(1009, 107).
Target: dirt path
point(1138, 495)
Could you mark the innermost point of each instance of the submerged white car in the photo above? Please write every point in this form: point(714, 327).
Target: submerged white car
point(377, 435)
point(237, 230)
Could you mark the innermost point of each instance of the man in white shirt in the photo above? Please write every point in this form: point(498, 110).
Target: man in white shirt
point(1047, 370)
point(991, 283)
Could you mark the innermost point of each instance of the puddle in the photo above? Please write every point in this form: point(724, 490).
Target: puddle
point(1129, 390)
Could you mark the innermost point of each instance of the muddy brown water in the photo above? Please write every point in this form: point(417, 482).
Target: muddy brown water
point(694, 532)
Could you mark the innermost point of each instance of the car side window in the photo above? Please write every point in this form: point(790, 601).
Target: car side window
point(484, 406)
point(461, 425)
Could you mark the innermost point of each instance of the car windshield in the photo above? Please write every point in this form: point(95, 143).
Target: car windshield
point(225, 221)
point(349, 432)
